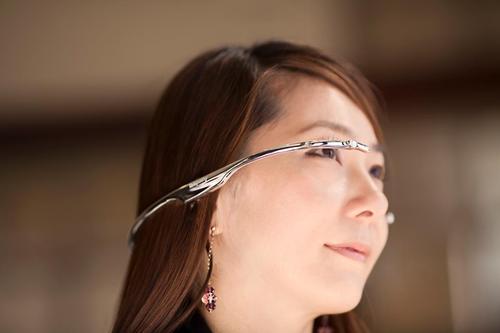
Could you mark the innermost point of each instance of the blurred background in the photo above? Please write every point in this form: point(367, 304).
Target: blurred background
point(78, 85)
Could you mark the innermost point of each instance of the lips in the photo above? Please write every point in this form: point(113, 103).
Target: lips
point(356, 251)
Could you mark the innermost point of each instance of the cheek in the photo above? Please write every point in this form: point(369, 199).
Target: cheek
point(383, 234)
point(321, 187)
point(293, 205)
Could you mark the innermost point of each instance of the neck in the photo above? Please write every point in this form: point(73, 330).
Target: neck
point(245, 304)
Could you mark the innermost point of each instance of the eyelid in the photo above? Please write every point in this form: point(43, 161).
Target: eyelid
point(334, 138)
point(336, 152)
point(326, 138)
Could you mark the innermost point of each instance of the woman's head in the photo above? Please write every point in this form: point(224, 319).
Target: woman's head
point(273, 218)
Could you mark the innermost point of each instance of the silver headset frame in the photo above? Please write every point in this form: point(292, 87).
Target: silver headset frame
point(214, 180)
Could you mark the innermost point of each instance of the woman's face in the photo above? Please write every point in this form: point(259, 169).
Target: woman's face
point(274, 217)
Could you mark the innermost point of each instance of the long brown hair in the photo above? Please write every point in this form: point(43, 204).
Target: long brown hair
point(202, 122)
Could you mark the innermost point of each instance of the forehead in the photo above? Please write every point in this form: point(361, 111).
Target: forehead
point(312, 107)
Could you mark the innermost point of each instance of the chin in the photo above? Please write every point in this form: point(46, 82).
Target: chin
point(341, 297)
point(349, 302)
point(351, 293)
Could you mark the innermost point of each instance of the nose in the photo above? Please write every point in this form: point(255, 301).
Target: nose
point(365, 201)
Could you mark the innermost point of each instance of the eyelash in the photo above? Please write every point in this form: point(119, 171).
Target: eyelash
point(380, 170)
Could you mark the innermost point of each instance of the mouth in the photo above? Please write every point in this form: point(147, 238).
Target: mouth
point(355, 251)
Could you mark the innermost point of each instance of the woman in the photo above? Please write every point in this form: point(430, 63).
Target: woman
point(288, 241)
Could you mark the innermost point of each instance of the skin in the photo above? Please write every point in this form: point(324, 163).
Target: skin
point(272, 271)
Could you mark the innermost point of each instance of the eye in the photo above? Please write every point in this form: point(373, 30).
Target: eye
point(378, 171)
point(329, 153)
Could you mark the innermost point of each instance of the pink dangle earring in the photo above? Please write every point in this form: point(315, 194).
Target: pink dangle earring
point(209, 297)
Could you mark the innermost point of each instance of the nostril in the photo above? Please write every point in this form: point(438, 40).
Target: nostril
point(366, 213)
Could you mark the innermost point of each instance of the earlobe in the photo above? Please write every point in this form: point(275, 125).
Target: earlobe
point(216, 229)
point(222, 210)
point(217, 219)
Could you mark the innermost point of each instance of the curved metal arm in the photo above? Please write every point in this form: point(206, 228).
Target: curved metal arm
point(219, 177)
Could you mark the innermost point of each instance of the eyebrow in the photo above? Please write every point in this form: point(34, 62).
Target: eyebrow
point(328, 124)
point(340, 129)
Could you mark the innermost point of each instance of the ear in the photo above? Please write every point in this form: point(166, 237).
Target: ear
point(218, 216)
point(223, 207)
